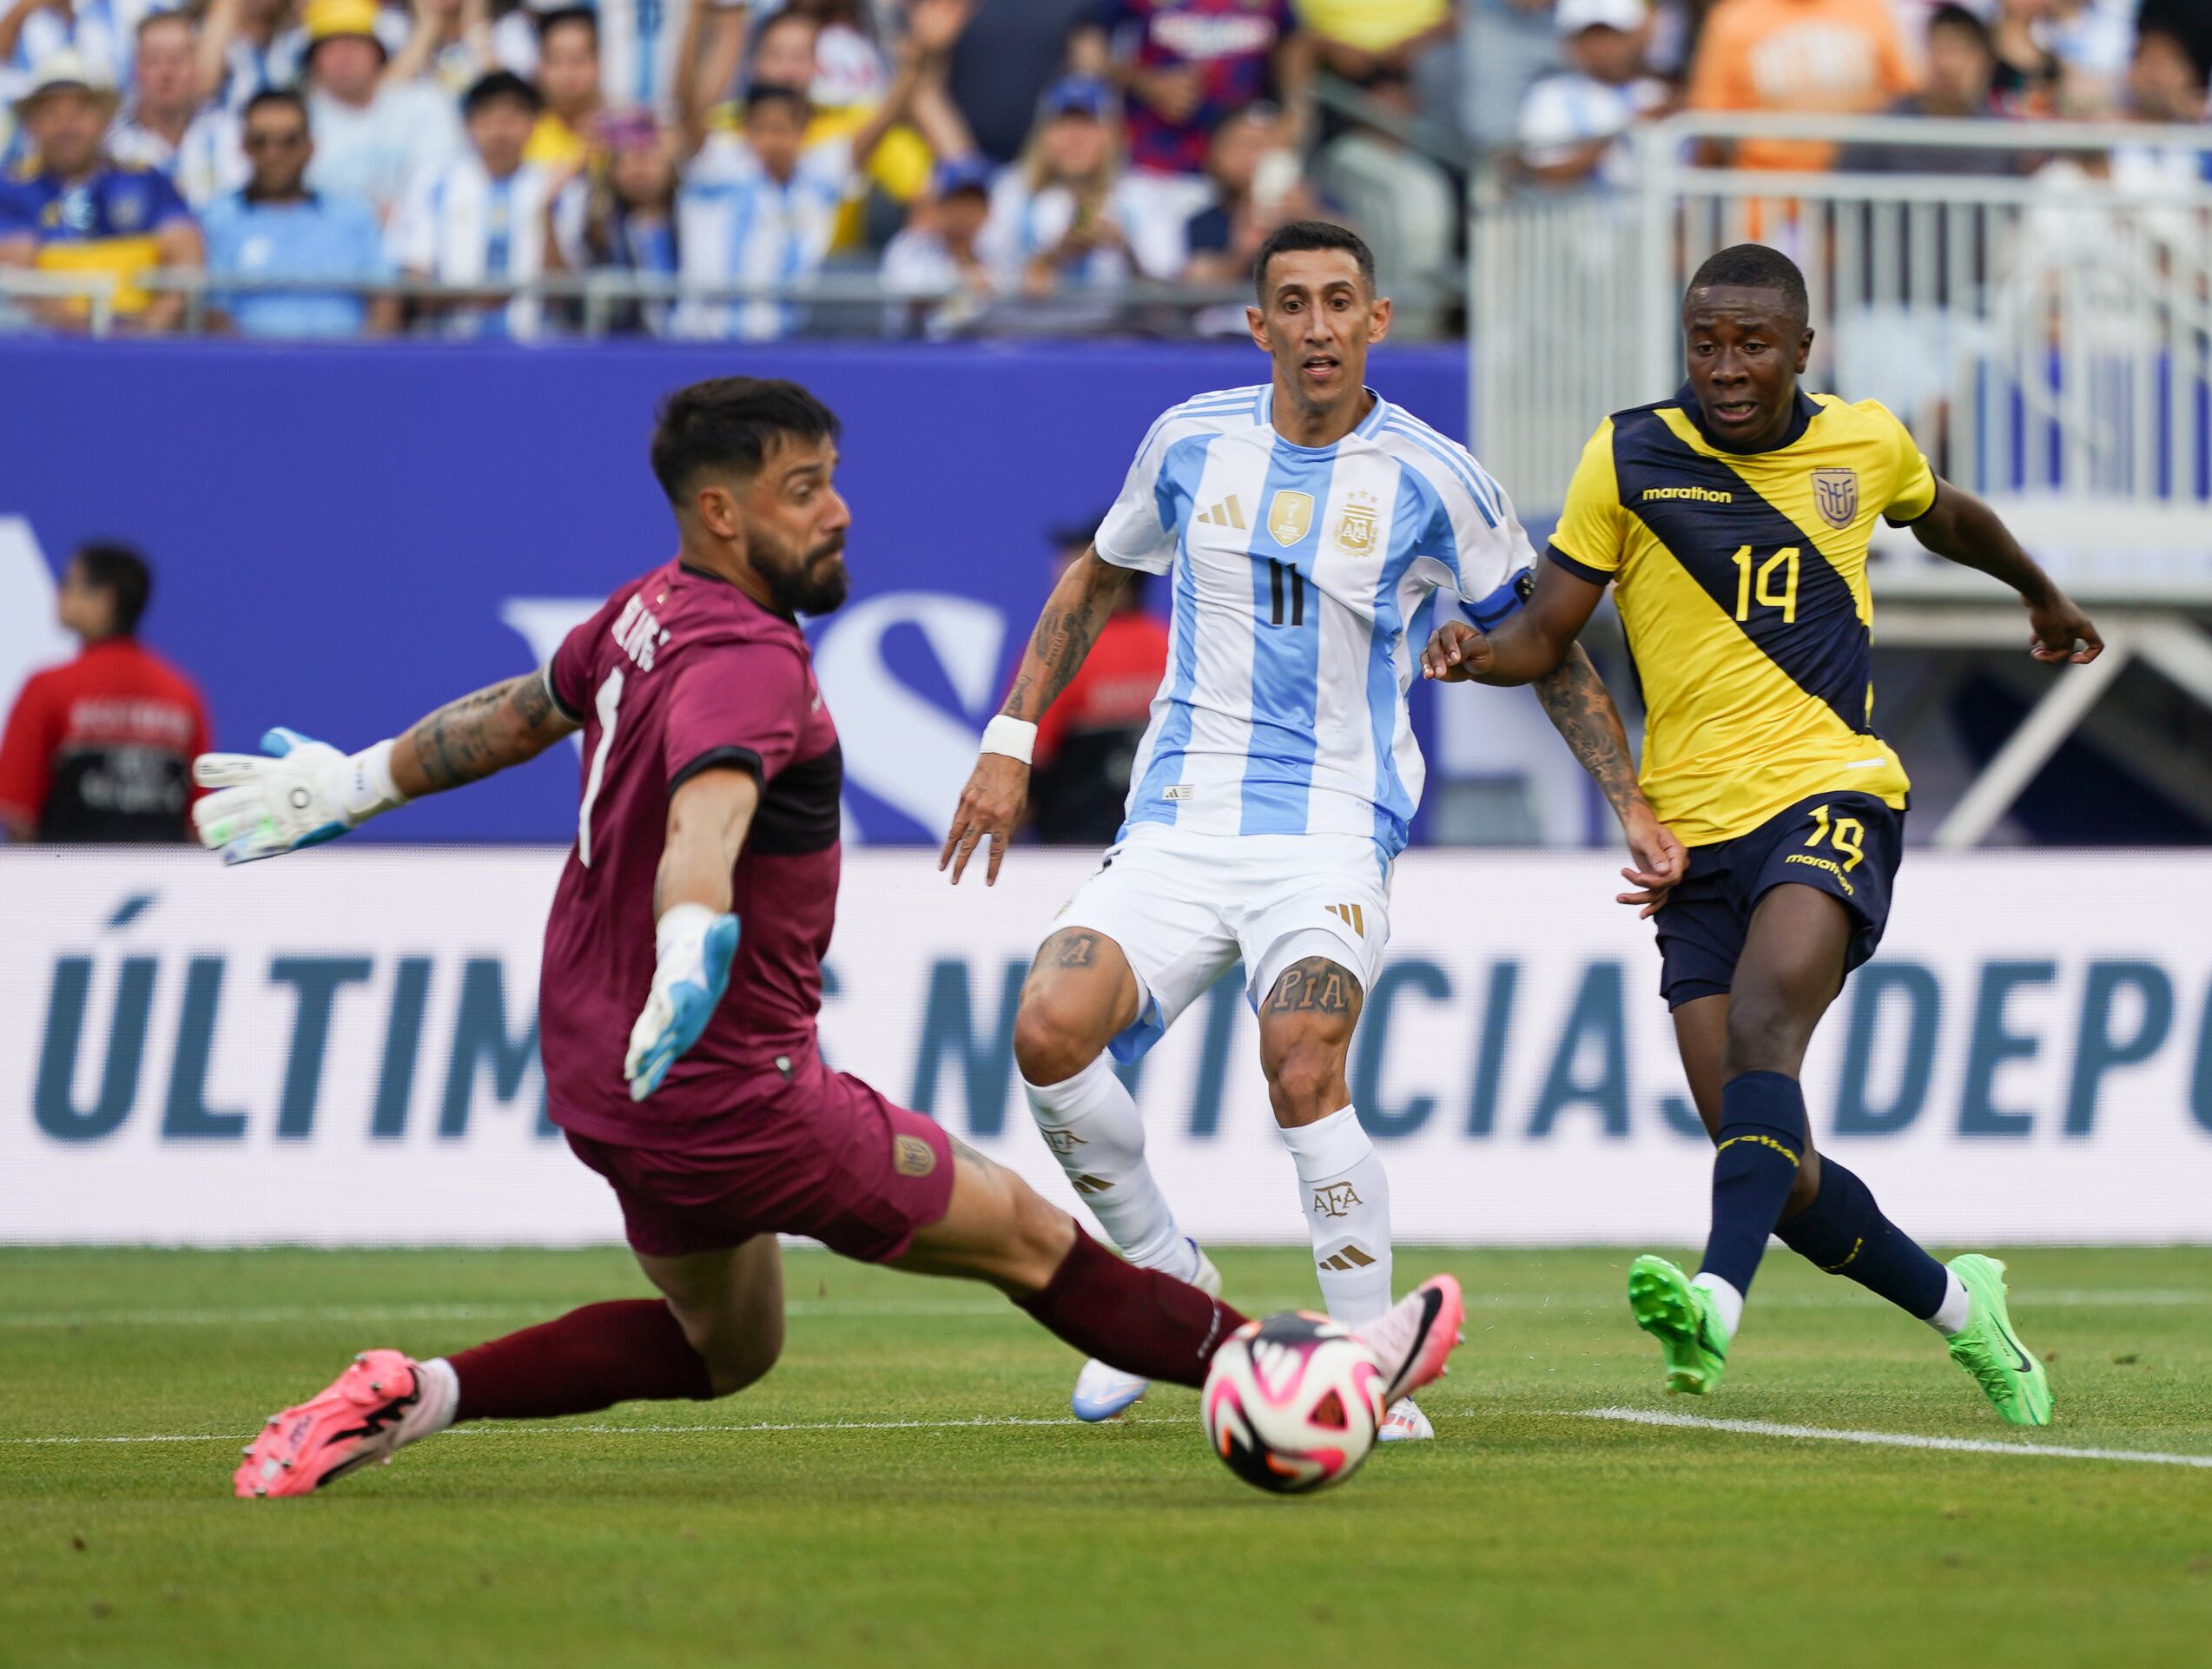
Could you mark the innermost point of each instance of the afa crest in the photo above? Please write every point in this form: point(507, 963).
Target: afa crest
point(1288, 516)
point(1835, 494)
point(1356, 526)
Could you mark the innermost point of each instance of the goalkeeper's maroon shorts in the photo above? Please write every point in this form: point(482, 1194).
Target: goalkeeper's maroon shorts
point(819, 1153)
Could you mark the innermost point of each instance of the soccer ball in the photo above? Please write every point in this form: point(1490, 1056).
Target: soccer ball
point(1293, 1402)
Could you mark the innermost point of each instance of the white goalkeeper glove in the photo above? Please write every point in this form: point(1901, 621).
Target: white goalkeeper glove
point(694, 946)
point(305, 793)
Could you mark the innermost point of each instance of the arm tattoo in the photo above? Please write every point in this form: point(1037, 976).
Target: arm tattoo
point(534, 699)
point(1316, 986)
point(1063, 638)
point(1582, 709)
point(485, 731)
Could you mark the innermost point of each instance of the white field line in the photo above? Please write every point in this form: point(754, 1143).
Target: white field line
point(1891, 1439)
point(286, 1314)
point(1628, 1416)
point(500, 1429)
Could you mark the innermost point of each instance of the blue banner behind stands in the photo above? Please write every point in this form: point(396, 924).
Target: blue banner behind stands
point(346, 536)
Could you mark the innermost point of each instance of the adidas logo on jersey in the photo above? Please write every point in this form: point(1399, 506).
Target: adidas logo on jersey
point(1351, 915)
point(1227, 513)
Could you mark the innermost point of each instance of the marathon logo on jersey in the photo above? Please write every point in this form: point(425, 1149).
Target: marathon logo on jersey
point(1696, 495)
point(1836, 494)
point(639, 632)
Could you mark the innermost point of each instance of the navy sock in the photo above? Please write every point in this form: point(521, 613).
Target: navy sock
point(1754, 1166)
point(1844, 1232)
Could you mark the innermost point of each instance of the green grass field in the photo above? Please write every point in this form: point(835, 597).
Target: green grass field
point(796, 1525)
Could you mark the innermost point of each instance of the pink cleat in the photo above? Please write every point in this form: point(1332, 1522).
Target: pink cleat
point(355, 1420)
point(1412, 1339)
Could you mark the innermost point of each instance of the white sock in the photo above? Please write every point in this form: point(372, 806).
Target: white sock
point(1346, 1198)
point(1727, 1302)
point(440, 1394)
point(1956, 1308)
point(1090, 1122)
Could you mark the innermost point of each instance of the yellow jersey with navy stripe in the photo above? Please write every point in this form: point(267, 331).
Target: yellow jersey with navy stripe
point(1741, 581)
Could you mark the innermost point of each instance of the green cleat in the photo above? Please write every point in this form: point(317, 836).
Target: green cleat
point(2009, 1374)
point(1680, 1317)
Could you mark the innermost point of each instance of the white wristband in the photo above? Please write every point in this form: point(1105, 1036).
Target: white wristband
point(1015, 738)
point(369, 788)
point(681, 925)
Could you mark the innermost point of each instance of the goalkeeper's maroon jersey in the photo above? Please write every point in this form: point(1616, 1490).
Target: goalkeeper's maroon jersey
point(682, 672)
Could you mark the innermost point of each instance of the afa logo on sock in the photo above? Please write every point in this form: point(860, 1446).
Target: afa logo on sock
point(1336, 1200)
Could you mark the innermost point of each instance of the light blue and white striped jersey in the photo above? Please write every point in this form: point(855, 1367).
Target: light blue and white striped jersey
point(104, 33)
point(737, 226)
point(1303, 584)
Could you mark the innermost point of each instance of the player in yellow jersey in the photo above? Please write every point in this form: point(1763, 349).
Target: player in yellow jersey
point(1732, 520)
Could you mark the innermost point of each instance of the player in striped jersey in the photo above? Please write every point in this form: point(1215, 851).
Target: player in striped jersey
point(1309, 527)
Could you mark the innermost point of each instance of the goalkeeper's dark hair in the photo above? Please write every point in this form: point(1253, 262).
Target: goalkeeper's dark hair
point(731, 423)
point(1300, 236)
point(1755, 266)
point(122, 573)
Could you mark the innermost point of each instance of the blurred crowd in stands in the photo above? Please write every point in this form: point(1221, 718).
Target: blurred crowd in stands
point(984, 164)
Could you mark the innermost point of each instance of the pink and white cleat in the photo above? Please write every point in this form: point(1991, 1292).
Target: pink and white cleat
point(359, 1418)
point(1414, 1336)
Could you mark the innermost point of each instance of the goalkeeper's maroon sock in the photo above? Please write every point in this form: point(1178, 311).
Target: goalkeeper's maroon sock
point(1138, 1320)
point(629, 1351)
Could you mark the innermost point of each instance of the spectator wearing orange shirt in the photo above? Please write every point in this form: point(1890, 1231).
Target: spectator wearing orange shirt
point(101, 749)
point(1087, 740)
point(1798, 57)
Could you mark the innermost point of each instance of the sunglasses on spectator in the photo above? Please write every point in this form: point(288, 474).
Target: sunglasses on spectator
point(262, 141)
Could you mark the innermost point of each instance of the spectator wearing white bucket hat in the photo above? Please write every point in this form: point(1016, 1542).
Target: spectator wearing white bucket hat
point(67, 207)
point(1572, 125)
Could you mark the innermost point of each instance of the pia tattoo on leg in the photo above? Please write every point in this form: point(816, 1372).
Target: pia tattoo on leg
point(1316, 986)
point(1072, 948)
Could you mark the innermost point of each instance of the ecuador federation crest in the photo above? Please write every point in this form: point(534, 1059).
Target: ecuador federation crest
point(1835, 494)
point(1356, 525)
point(1288, 516)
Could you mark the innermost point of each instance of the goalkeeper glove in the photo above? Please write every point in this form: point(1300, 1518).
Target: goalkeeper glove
point(695, 947)
point(305, 794)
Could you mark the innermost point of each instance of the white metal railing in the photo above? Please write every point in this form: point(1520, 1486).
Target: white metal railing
point(600, 303)
point(2047, 336)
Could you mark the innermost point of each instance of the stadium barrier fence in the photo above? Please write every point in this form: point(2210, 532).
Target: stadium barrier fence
point(2048, 336)
point(568, 305)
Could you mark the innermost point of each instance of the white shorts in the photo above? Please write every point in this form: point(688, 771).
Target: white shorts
point(1184, 907)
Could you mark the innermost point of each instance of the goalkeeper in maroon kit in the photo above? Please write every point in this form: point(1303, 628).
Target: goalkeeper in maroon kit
point(706, 862)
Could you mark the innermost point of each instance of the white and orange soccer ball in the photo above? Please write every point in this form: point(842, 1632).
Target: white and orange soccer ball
point(1293, 1402)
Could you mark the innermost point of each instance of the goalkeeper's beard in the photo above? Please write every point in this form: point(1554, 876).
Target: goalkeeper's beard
point(814, 583)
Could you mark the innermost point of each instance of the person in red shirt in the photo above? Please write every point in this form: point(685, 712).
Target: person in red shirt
point(1088, 740)
point(99, 749)
point(706, 863)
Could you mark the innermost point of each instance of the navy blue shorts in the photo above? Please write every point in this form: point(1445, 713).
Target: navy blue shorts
point(1846, 845)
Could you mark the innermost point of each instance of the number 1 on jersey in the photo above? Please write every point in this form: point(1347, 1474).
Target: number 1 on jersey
point(603, 704)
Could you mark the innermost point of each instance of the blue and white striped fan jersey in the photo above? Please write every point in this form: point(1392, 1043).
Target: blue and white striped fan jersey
point(1304, 584)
